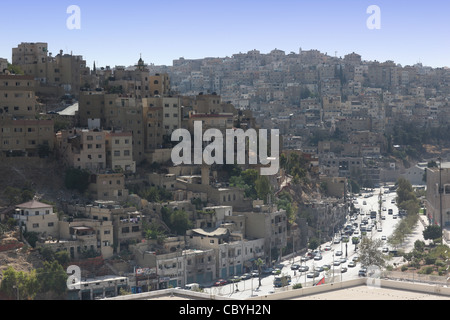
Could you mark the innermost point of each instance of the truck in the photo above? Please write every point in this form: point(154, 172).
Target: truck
point(282, 281)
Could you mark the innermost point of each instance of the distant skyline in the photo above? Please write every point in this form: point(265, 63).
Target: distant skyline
point(118, 33)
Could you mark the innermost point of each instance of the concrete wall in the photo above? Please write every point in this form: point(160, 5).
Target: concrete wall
point(390, 284)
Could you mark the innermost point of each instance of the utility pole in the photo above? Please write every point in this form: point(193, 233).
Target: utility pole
point(440, 200)
point(380, 201)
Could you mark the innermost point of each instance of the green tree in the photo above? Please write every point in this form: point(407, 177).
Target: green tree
point(369, 254)
point(177, 220)
point(262, 187)
point(52, 279)
point(14, 69)
point(19, 284)
point(405, 191)
point(432, 232)
point(76, 179)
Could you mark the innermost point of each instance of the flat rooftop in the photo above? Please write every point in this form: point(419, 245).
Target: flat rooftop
point(370, 293)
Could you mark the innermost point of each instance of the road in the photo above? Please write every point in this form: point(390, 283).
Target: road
point(247, 288)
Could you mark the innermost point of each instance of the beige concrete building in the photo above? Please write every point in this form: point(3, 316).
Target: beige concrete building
point(270, 224)
point(119, 152)
point(30, 53)
point(17, 96)
point(35, 216)
point(25, 137)
point(127, 222)
point(63, 73)
point(81, 235)
point(108, 187)
point(159, 84)
point(82, 149)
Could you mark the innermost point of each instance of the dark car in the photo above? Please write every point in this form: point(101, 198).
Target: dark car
point(295, 266)
point(313, 274)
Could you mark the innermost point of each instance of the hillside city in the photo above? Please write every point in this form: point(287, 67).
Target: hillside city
point(89, 181)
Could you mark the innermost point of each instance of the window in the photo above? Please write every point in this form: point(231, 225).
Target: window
point(35, 225)
point(117, 153)
point(447, 189)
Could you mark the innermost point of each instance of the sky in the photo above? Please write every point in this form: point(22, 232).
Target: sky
point(117, 32)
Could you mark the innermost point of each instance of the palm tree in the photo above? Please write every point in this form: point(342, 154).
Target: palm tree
point(259, 263)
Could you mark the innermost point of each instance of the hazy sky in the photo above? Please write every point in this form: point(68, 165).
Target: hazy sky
point(117, 32)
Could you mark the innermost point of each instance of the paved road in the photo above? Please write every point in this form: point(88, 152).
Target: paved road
point(248, 288)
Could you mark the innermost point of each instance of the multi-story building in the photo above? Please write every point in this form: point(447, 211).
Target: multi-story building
point(108, 187)
point(438, 196)
point(79, 236)
point(268, 223)
point(82, 149)
point(126, 222)
point(25, 137)
point(30, 53)
point(34, 216)
point(17, 96)
point(119, 152)
point(64, 73)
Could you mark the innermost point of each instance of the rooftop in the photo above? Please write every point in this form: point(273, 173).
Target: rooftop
point(34, 204)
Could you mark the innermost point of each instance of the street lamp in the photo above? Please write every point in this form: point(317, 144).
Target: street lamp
point(440, 199)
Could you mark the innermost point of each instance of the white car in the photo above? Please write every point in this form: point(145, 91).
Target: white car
point(383, 237)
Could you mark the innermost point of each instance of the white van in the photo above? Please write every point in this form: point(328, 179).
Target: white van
point(192, 287)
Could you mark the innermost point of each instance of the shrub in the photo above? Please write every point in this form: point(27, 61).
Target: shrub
point(404, 268)
point(297, 286)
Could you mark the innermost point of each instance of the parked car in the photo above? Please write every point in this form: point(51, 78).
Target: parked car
point(246, 276)
point(295, 266)
point(362, 272)
point(339, 253)
point(276, 271)
point(220, 282)
point(343, 269)
point(303, 268)
point(327, 247)
point(314, 274)
point(235, 279)
point(351, 264)
point(318, 257)
point(267, 271)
